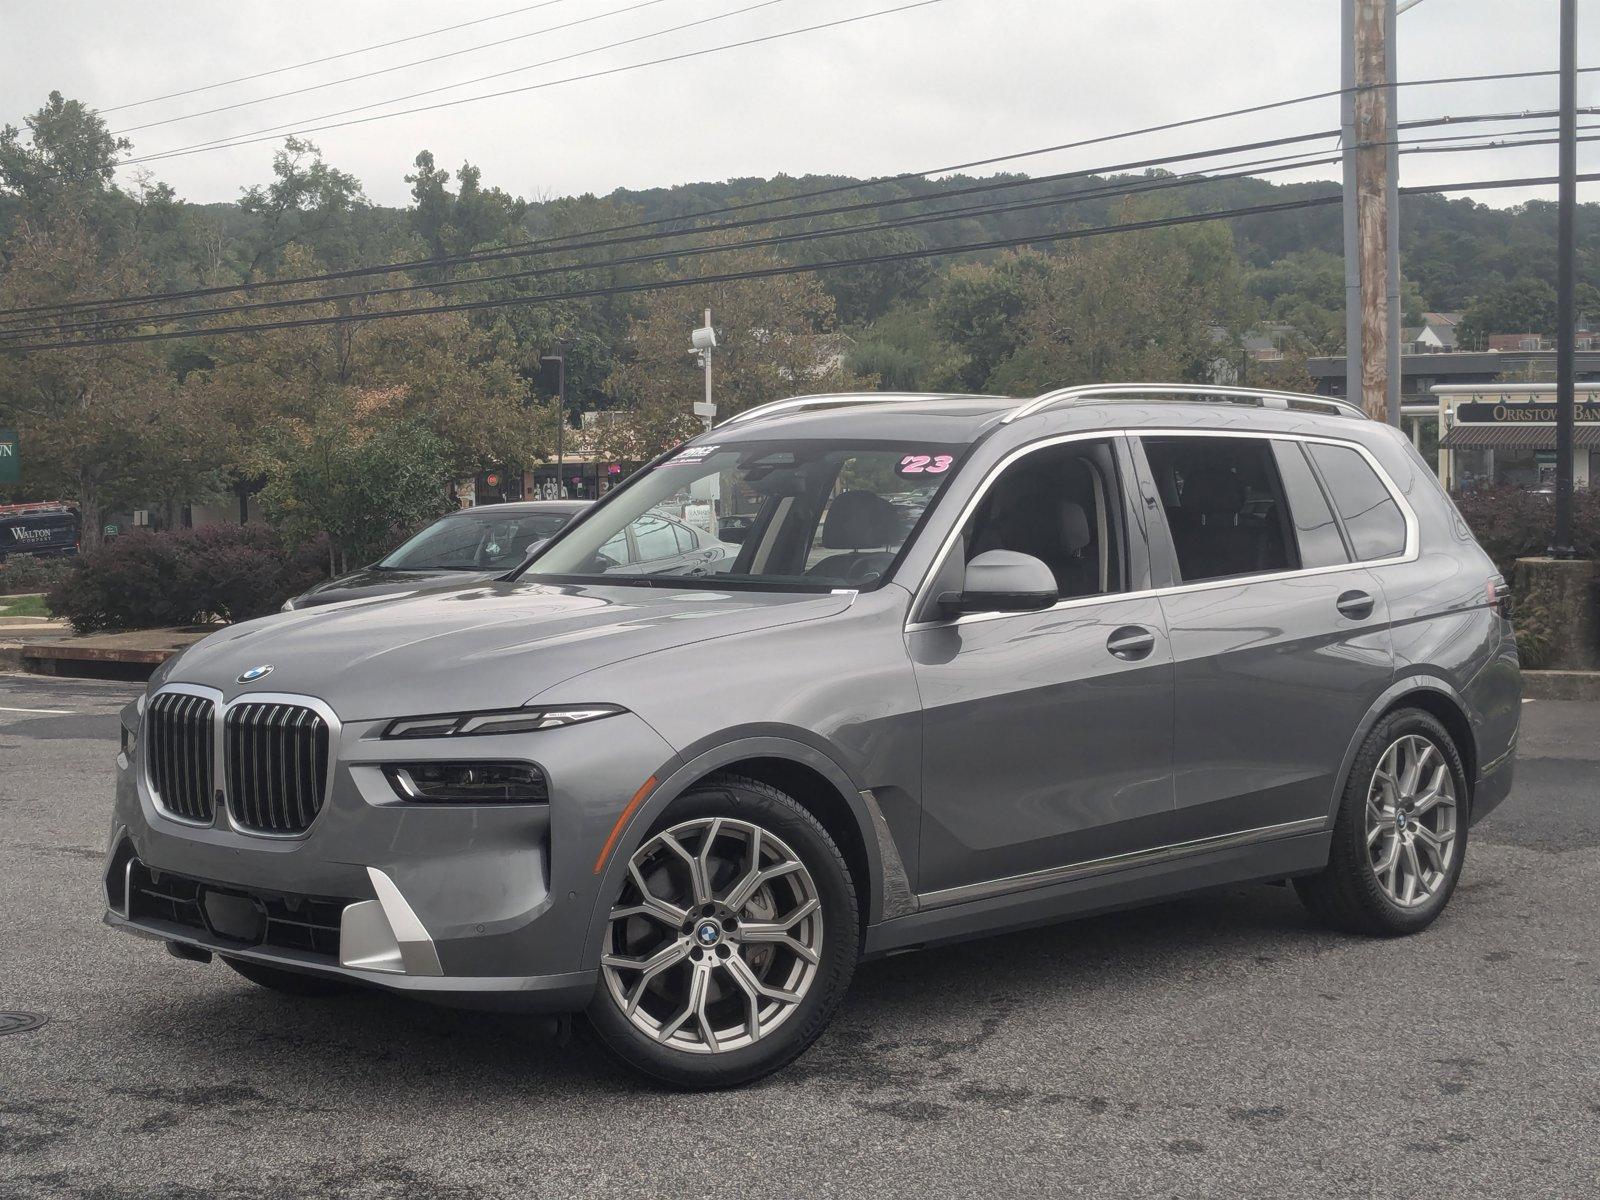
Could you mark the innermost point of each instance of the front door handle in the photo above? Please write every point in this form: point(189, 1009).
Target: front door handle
point(1131, 642)
point(1356, 605)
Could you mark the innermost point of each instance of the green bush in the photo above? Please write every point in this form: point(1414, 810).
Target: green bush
point(187, 577)
point(23, 573)
point(1511, 523)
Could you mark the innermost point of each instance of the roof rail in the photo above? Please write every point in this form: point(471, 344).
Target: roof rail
point(831, 399)
point(1217, 393)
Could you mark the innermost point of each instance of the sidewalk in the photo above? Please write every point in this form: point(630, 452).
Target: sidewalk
point(47, 649)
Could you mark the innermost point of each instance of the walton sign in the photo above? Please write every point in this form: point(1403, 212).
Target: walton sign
point(10, 460)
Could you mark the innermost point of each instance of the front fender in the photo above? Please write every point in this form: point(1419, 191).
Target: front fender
point(704, 759)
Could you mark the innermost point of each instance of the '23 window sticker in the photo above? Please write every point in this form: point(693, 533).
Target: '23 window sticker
point(925, 464)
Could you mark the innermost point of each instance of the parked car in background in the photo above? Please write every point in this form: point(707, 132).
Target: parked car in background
point(464, 547)
point(980, 663)
point(44, 529)
point(657, 544)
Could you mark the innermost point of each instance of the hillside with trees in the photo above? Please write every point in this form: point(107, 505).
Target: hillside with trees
point(293, 414)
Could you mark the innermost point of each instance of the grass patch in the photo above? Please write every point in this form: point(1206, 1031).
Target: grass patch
point(23, 606)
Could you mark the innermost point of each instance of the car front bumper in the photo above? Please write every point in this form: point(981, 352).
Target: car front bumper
point(476, 905)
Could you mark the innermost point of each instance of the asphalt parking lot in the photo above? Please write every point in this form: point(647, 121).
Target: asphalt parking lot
point(1219, 1046)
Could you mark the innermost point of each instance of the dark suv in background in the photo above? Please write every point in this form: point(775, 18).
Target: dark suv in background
point(977, 664)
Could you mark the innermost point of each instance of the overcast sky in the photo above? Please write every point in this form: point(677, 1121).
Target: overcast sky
point(959, 80)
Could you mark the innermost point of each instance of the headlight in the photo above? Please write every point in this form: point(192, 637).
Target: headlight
point(469, 782)
point(509, 720)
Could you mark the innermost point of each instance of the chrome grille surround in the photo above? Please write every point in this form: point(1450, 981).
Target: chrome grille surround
point(180, 753)
point(283, 746)
point(277, 762)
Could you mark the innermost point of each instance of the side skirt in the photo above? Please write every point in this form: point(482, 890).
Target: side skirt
point(1130, 887)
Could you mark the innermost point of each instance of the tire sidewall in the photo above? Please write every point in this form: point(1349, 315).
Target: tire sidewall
point(781, 816)
point(1353, 826)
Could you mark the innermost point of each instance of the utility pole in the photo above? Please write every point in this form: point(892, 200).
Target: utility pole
point(701, 343)
point(1370, 23)
point(1566, 281)
point(560, 361)
point(1352, 228)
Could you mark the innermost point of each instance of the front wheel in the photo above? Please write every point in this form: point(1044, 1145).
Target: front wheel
point(1401, 833)
point(732, 941)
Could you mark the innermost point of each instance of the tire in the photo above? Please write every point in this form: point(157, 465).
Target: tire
point(288, 983)
point(761, 998)
point(1365, 890)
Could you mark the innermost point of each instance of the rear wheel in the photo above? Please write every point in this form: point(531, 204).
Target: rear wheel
point(290, 983)
point(1400, 837)
point(733, 939)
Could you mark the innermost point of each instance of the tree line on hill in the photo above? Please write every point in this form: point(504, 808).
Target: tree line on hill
point(307, 417)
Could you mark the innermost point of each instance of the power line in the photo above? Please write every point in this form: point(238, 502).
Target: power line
point(1264, 166)
point(272, 133)
point(313, 62)
point(615, 12)
point(539, 249)
point(1043, 238)
point(248, 140)
point(1296, 161)
point(548, 244)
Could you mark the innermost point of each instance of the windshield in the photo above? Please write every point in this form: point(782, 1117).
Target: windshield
point(475, 541)
point(791, 514)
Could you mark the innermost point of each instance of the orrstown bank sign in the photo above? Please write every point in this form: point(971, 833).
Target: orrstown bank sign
point(10, 459)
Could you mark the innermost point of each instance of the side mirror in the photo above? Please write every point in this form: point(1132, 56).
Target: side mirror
point(1002, 581)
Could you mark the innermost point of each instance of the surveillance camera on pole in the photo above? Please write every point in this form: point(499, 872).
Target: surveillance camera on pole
point(702, 342)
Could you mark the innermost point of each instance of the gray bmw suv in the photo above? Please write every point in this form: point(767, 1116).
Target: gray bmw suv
point(979, 664)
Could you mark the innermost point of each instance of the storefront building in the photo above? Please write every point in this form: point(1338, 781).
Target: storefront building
point(1504, 434)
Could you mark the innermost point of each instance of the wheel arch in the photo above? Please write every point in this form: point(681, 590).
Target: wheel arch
point(814, 780)
point(1432, 695)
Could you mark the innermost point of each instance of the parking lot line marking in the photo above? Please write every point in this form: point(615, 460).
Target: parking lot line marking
point(46, 712)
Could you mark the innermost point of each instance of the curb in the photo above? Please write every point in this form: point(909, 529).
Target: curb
point(1561, 685)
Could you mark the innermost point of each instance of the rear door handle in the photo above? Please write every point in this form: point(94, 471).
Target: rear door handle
point(1356, 605)
point(1131, 642)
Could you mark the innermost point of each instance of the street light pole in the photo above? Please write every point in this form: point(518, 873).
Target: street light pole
point(1566, 281)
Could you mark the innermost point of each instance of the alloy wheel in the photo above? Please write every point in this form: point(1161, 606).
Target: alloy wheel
point(716, 938)
point(1411, 820)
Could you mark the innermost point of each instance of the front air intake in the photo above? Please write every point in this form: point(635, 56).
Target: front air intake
point(178, 751)
point(277, 763)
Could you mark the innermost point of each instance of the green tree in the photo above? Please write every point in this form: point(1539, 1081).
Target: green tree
point(1525, 305)
point(474, 216)
point(307, 202)
point(1154, 304)
point(363, 487)
point(776, 337)
point(977, 309)
point(68, 152)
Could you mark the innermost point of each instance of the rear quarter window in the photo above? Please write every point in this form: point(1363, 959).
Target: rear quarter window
point(1372, 519)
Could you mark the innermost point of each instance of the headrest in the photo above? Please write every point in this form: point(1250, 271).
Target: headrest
point(1074, 526)
point(1037, 521)
point(860, 521)
point(1213, 491)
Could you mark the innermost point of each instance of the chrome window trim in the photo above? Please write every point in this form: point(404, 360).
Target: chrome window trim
point(219, 767)
point(147, 784)
point(1410, 554)
point(1069, 872)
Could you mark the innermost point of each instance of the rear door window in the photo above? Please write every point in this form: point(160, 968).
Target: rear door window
point(1225, 505)
point(1316, 529)
point(1372, 519)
